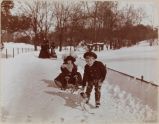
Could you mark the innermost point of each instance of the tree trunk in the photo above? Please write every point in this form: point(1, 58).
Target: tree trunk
point(60, 40)
point(35, 47)
point(60, 48)
point(35, 42)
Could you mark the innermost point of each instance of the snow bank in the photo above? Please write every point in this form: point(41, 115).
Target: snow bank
point(146, 92)
point(12, 49)
point(17, 45)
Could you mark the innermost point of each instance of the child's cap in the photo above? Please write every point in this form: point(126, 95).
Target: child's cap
point(90, 54)
point(70, 58)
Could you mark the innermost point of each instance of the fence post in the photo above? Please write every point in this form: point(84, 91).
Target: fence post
point(22, 50)
point(18, 50)
point(13, 52)
point(142, 77)
point(6, 54)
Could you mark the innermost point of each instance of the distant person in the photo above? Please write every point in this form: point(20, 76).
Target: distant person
point(94, 75)
point(69, 74)
point(1, 45)
point(53, 53)
point(44, 52)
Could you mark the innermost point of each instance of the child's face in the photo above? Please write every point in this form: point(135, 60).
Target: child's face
point(90, 60)
point(69, 62)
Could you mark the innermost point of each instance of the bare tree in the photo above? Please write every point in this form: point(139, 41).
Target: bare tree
point(132, 15)
point(90, 17)
point(41, 18)
point(76, 23)
point(62, 16)
point(102, 18)
point(6, 6)
point(72, 21)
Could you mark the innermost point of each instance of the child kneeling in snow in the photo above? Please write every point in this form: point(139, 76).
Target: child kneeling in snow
point(69, 75)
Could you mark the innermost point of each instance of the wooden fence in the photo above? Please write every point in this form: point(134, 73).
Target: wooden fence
point(12, 52)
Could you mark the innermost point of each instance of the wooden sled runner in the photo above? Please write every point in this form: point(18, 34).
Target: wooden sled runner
point(69, 87)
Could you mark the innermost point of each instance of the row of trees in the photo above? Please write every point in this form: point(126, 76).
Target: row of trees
point(71, 22)
point(13, 24)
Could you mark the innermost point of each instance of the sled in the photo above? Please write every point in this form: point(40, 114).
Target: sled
point(70, 87)
point(76, 90)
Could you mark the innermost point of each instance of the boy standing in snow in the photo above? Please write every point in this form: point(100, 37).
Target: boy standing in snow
point(94, 75)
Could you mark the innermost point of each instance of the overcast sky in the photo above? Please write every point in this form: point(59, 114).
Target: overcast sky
point(150, 8)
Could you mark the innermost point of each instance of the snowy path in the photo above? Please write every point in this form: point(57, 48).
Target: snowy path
point(26, 97)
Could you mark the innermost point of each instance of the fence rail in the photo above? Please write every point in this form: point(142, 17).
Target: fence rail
point(140, 79)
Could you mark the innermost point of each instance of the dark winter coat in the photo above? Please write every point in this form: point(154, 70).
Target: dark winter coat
point(66, 72)
point(95, 72)
point(44, 52)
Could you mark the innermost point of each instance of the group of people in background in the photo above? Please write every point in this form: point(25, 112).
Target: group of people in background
point(94, 75)
point(45, 51)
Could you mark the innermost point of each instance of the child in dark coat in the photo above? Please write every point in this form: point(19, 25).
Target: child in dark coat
point(69, 74)
point(94, 75)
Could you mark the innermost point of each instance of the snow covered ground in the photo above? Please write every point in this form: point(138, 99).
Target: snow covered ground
point(27, 98)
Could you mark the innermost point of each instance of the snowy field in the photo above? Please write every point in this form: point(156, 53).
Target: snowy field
point(27, 98)
point(138, 60)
